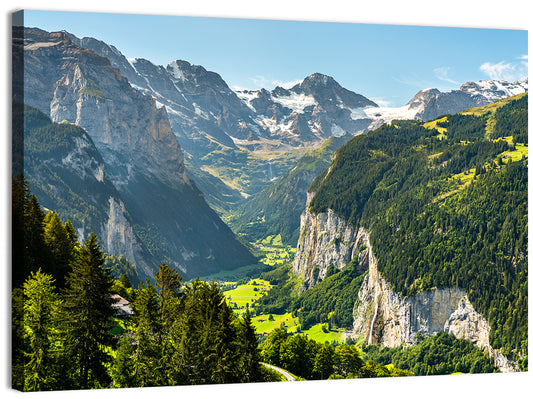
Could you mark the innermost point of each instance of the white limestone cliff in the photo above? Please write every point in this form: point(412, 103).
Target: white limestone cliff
point(382, 316)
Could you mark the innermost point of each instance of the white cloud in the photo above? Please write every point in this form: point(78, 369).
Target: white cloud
point(442, 74)
point(259, 81)
point(505, 70)
point(287, 85)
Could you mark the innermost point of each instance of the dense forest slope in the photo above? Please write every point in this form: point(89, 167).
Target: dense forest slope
point(445, 203)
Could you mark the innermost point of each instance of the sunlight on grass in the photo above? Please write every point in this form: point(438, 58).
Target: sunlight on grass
point(318, 334)
point(267, 323)
point(433, 125)
point(246, 294)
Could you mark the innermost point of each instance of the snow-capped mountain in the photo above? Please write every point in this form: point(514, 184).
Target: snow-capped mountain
point(309, 112)
point(230, 138)
point(201, 104)
point(139, 158)
point(494, 90)
point(430, 103)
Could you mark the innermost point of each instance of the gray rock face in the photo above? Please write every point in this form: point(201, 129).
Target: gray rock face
point(201, 101)
point(309, 112)
point(386, 318)
point(396, 320)
point(110, 52)
point(380, 315)
point(69, 176)
point(142, 157)
point(326, 240)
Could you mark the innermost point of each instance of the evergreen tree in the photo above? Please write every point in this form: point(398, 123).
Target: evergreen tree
point(149, 335)
point(19, 204)
point(71, 233)
point(206, 337)
point(248, 346)
point(17, 339)
point(60, 244)
point(72, 236)
point(124, 369)
point(40, 308)
point(125, 280)
point(168, 283)
point(87, 311)
point(36, 253)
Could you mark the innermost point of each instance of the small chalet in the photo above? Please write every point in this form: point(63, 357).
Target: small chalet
point(122, 306)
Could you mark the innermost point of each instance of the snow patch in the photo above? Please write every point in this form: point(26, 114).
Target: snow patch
point(296, 102)
point(337, 131)
point(246, 96)
point(199, 111)
point(494, 90)
point(274, 126)
point(385, 114)
point(176, 72)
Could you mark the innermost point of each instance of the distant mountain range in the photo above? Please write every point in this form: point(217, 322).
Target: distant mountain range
point(303, 115)
point(236, 142)
point(232, 144)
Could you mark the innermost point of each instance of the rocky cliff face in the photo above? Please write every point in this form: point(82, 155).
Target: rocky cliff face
point(380, 315)
point(142, 157)
point(383, 317)
point(326, 240)
point(68, 174)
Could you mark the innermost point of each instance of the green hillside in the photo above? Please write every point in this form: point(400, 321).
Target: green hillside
point(446, 205)
point(277, 209)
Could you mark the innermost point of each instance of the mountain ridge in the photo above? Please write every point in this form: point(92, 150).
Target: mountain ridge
point(142, 156)
point(226, 133)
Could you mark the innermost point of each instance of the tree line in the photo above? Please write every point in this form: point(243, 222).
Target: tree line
point(315, 361)
point(65, 330)
point(435, 355)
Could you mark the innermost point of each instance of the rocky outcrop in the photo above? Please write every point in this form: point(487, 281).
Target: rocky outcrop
point(397, 320)
point(119, 238)
point(68, 175)
point(382, 316)
point(431, 103)
point(327, 240)
point(142, 157)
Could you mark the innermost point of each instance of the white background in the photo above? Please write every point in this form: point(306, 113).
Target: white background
point(500, 14)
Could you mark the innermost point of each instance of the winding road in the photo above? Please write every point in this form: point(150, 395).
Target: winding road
point(281, 371)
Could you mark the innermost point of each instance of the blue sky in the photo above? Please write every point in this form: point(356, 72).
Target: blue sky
point(386, 63)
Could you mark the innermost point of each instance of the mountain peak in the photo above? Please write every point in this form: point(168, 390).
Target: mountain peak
point(318, 80)
point(494, 89)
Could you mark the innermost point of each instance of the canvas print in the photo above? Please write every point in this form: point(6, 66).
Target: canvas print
point(217, 200)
